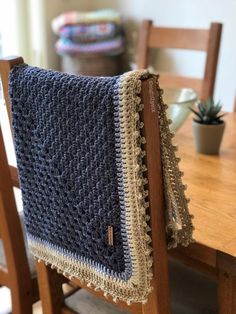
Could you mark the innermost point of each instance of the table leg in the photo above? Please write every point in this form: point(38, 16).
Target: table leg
point(227, 283)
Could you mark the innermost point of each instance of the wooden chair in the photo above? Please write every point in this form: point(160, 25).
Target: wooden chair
point(207, 40)
point(17, 271)
point(50, 281)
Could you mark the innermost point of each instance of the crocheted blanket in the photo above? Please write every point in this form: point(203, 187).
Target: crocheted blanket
point(74, 17)
point(112, 46)
point(81, 168)
point(89, 32)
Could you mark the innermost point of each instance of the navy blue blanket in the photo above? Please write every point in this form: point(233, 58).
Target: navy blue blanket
point(82, 174)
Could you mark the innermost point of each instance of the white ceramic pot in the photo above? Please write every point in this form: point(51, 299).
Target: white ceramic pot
point(208, 137)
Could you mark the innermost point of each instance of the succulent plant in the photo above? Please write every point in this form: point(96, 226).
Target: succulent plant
point(208, 112)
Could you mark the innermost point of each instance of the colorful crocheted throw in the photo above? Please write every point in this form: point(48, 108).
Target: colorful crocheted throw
point(89, 32)
point(74, 17)
point(109, 47)
point(78, 147)
point(97, 32)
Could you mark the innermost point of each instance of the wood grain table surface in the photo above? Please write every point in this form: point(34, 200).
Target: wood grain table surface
point(211, 182)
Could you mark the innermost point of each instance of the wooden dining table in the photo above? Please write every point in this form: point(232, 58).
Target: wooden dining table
point(211, 181)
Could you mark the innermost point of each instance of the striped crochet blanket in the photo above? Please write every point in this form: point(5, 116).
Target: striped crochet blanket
point(113, 47)
point(81, 168)
point(90, 32)
point(97, 32)
point(74, 17)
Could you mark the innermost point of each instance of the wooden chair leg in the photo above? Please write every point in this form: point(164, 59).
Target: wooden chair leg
point(227, 283)
point(21, 302)
point(155, 305)
point(50, 289)
point(151, 306)
point(227, 293)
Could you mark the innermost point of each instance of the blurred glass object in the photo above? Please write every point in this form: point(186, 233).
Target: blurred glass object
point(179, 100)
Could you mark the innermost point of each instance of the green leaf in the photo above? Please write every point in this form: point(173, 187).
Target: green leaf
point(208, 105)
point(208, 111)
point(201, 108)
point(196, 113)
point(222, 115)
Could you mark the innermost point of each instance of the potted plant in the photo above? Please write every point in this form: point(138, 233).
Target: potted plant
point(208, 127)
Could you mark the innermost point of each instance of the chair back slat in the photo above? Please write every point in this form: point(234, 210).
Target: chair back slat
point(180, 81)
point(207, 40)
point(178, 38)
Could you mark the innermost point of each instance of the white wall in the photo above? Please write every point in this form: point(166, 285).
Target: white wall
point(182, 13)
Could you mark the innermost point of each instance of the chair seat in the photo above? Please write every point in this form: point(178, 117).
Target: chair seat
point(31, 260)
point(191, 293)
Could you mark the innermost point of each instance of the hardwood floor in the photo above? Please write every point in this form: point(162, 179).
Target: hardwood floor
point(5, 303)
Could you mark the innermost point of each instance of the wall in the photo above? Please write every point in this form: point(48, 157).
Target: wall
point(182, 13)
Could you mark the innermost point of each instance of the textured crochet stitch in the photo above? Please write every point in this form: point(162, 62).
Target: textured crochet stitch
point(112, 46)
point(82, 33)
point(74, 17)
point(78, 147)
